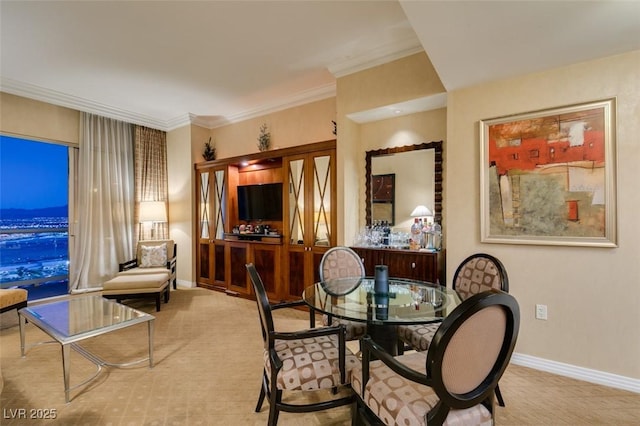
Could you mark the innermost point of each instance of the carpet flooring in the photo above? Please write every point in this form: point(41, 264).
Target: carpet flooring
point(208, 366)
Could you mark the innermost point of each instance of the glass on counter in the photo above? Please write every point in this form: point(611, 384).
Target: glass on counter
point(370, 236)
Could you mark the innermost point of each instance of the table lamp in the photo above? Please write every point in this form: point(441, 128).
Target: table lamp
point(421, 211)
point(152, 212)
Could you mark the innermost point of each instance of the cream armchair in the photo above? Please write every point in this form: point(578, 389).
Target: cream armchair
point(153, 257)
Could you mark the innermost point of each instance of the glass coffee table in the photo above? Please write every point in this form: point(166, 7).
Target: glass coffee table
point(70, 321)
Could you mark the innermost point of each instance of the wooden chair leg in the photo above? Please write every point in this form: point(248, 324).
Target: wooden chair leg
point(263, 392)
point(499, 396)
point(274, 411)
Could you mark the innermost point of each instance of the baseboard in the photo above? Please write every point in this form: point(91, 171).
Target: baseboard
point(580, 373)
point(186, 284)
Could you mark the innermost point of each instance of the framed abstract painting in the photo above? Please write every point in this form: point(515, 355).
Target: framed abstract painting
point(549, 177)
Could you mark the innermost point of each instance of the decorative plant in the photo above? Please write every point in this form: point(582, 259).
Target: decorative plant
point(264, 139)
point(209, 152)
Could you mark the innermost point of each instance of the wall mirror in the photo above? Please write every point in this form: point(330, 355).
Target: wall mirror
point(415, 175)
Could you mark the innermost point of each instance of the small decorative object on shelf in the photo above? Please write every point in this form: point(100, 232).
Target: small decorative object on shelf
point(264, 139)
point(209, 152)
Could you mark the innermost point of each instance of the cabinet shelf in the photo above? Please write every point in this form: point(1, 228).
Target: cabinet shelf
point(264, 238)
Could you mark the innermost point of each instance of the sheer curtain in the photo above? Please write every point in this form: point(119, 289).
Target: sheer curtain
point(151, 177)
point(105, 200)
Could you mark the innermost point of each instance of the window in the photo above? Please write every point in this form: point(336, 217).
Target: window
point(34, 219)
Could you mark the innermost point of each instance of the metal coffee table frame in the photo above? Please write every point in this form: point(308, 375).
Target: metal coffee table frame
point(84, 318)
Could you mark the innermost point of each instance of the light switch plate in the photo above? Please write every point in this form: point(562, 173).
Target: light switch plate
point(541, 312)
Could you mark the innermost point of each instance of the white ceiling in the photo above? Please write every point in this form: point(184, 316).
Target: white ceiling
point(165, 64)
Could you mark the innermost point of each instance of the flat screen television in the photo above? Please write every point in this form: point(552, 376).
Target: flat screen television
point(260, 202)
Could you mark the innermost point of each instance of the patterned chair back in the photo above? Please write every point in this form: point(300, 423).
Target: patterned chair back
point(480, 272)
point(472, 349)
point(340, 262)
point(171, 252)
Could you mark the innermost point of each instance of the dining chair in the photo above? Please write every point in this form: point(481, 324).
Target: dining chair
point(342, 262)
point(475, 274)
point(454, 381)
point(305, 360)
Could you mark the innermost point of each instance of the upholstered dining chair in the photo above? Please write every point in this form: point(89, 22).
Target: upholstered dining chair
point(475, 274)
point(342, 262)
point(306, 360)
point(453, 382)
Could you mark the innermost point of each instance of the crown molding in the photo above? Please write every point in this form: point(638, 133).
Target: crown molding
point(30, 91)
point(26, 90)
point(300, 98)
point(381, 55)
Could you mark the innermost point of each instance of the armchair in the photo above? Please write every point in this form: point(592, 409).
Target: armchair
point(149, 261)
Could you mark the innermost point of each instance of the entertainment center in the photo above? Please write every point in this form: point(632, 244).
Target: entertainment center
point(272, 209)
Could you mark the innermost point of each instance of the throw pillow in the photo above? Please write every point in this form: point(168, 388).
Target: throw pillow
point(153, 256)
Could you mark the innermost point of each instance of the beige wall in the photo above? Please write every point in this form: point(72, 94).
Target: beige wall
point(299, 125)
point(410, 129)
point(181, 189)
point(398, 81)
point(592, 294)
point(405, 79)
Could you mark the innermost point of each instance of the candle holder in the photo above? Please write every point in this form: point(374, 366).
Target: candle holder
point(381, 281)
point(382, 306)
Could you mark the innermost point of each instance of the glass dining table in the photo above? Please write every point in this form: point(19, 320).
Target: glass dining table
point(408, 302)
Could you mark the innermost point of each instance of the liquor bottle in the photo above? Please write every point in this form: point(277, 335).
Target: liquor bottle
point(436, 230)
point(386, 234)
point(426, 234)
point(414, 244)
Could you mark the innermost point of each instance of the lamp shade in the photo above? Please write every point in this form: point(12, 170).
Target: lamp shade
point(421, 211)
point(153, 211)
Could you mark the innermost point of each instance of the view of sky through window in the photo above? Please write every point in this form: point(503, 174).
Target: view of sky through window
point(34, 216)
point(32, 174)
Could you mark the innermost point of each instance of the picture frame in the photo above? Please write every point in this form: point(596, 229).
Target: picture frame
point(383, 189)
point(548, 177)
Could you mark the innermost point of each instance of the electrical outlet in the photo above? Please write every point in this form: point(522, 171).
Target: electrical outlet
point(541, 312)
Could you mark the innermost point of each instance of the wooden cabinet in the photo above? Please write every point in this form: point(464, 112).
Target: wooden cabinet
point(309, 219)
point(267, 260)
point(210, 226)
point(287, 263)
point(237, 256)
point(424, 266)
